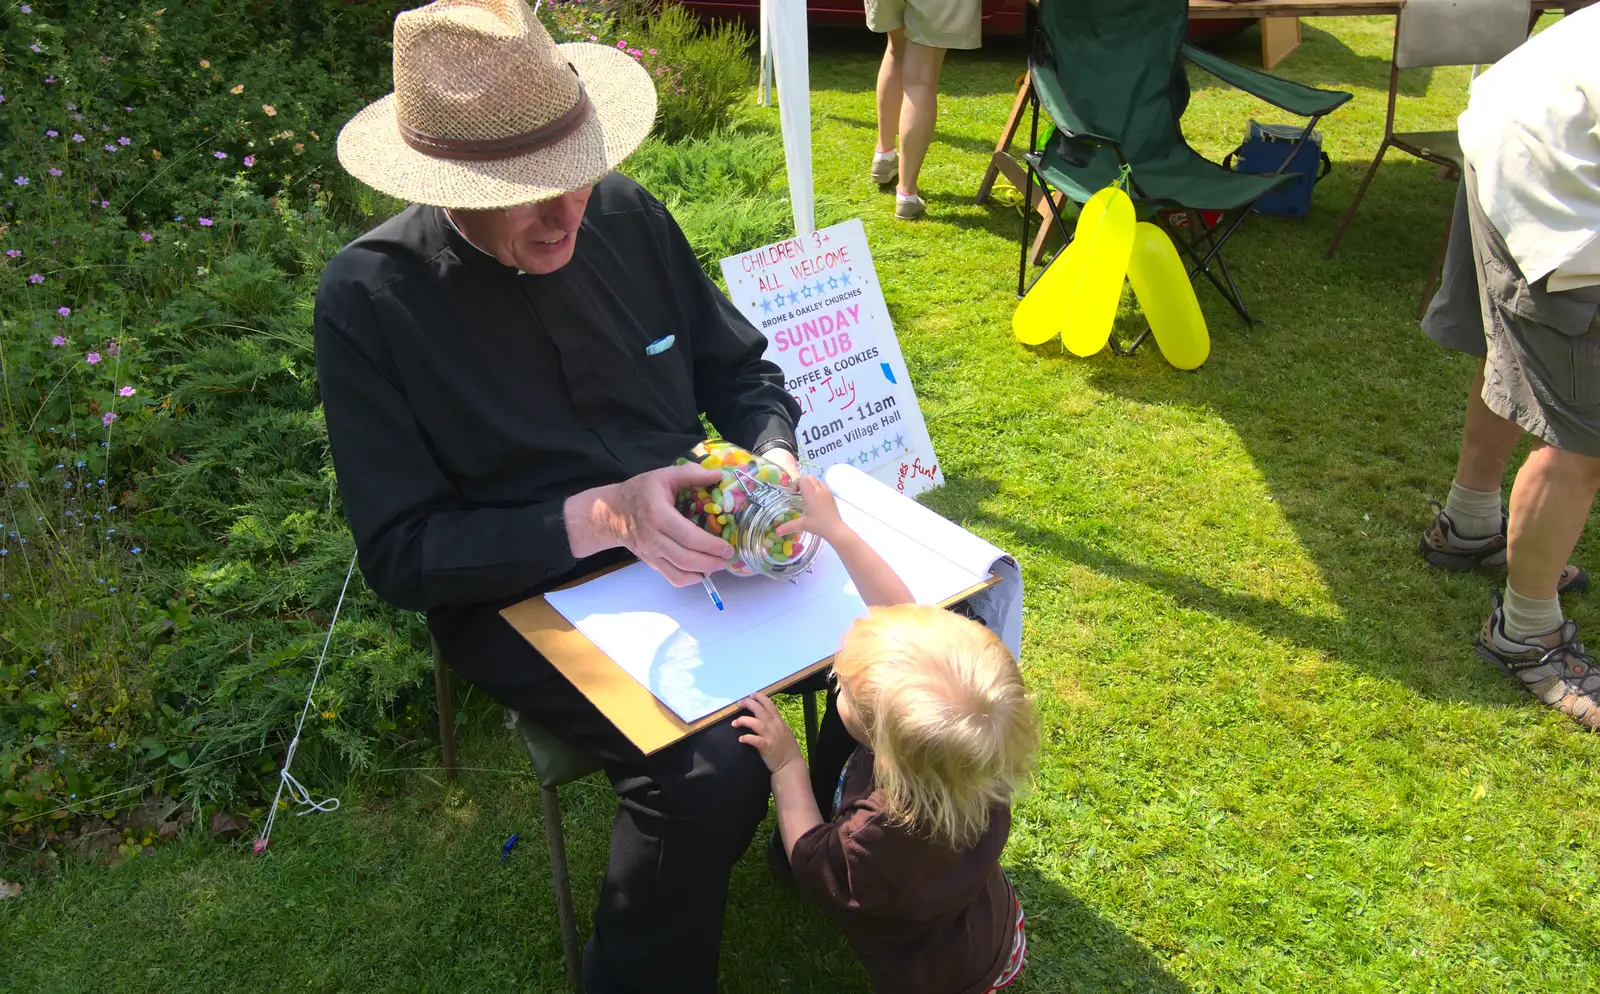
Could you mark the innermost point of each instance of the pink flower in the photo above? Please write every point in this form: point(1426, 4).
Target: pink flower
point(126, 392)
point(623, 44)
point(36, 278)
point(652, 51)
point(13, 253)
point(108, 417)
point(105, 203)
point(146, 235)
point(51, 133)
point(249, 161)
point(93, 358)
point(58, 341)
point(219, 155)
point(54, 171)
point(65, 312)
point(205, 222)
point(77, 138)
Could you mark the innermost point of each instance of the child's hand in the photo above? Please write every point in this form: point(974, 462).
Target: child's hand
point(821, 517)
point(770, 735)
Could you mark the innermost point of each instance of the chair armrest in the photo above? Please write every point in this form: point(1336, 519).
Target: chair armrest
point(1296, 98)
point(1056, 105)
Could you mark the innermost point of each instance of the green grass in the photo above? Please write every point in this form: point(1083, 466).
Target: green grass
point(1271, 760)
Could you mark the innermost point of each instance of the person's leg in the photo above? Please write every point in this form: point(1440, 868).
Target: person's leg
point(1550, 504)
point(1487, 442)
point(919, 76)
point(687, 814)
point(890, 91)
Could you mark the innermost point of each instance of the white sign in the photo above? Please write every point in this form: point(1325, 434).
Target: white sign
point(817, 299)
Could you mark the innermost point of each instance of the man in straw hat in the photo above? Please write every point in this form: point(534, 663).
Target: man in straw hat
point(508, 369)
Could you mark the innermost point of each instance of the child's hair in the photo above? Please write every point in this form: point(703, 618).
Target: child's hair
point(946, 715)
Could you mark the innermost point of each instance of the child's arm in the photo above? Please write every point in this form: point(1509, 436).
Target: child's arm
point(878, 583)
point(791, 787)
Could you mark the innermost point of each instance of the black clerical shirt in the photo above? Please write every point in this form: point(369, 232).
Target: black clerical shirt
point(466, 402)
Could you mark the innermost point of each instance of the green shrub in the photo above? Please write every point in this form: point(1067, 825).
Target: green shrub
point(702, 73)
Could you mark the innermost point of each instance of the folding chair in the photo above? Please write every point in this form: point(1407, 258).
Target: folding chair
point(1110, 75)
point(1439, 33)
point(556, 763)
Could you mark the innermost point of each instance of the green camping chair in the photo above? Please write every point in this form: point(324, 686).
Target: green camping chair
point(1110, 76)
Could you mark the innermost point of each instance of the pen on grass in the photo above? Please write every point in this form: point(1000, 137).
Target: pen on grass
point(711, 591)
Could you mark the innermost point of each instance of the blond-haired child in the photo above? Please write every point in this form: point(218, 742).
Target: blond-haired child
point(908, 860)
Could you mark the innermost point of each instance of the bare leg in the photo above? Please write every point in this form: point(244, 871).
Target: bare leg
point(920, 70)
point(1550, 504)
point(1486, 443)
point(890, 91)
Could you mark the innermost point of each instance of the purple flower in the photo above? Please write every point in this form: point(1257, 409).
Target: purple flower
point(105, 203)
point(219, 155)
point(36, 278)
point(71, 105)
point(50, 78)
point(635, 52)
point(128, 109)
point(249, 161)
point(77, 117)
point(21, 181)
point(58, 341)
point(93, 358)
point(54, 171)
point(652, 51)
point(35, 48)
point(146, 235)
point(77, 138)
point(112, 348)
point(124, 140)
point(26, 9)
point(109, 148)
point(126, 392)
point(65, 312)
point(108, 417)
point(51, 133)
point(205, 222)
point(13, 253)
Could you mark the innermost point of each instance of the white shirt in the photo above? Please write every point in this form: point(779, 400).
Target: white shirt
point(1531, 132)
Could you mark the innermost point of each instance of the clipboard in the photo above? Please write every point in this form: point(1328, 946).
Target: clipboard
point(626, 703)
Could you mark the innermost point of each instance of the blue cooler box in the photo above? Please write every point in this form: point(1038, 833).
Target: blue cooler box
point(1265, 149)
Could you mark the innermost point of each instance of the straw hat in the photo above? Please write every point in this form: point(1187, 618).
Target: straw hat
point(487, 111)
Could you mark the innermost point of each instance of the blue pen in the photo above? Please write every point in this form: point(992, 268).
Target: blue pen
point(711, 591)
point(505, 850)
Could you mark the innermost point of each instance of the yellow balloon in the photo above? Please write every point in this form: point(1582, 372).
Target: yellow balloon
point(1037, 318)
point(1105, 231)
point(1167, 298)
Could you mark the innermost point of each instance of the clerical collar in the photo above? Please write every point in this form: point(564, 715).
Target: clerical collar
point(452, 223)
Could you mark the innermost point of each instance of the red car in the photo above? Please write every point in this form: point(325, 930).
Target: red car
point(1001, 18)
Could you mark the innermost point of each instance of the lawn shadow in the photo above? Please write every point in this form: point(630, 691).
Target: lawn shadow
point(1321, 60)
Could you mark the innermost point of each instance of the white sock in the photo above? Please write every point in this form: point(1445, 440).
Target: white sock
point(907, 198)
point(1529, 617)
point(888, 156)
point(1475, 513)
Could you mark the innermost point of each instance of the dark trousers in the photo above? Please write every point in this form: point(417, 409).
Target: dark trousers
point(687, 813)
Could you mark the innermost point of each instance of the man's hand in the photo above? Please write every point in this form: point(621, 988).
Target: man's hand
point(770, 734)
point(821, 516)
point(640, 515)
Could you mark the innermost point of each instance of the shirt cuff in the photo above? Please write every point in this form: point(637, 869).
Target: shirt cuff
point(770, 431)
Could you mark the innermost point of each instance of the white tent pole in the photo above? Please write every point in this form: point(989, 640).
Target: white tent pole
point(764, 89)
point(790, 49)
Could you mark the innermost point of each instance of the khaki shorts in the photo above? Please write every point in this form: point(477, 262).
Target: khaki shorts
point(933, 23)
point(1541, 349)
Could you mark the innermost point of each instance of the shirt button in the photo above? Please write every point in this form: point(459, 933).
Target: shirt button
point(549, 572)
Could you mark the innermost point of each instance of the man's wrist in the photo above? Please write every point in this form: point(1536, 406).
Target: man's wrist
point(584, 514)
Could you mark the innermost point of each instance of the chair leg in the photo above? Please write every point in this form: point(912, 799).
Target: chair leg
point(1036, 255)
point(808, 705)
point(563, 884)
point(1361, 191)
point(1437, 272)
point(447, 721)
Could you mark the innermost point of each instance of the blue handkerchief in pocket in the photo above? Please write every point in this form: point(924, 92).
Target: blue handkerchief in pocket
point(660, 345)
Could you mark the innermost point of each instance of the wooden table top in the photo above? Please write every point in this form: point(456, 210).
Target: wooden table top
point(1206, 9)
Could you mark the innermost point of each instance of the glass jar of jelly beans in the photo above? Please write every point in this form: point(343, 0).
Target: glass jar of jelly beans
point(753, 498)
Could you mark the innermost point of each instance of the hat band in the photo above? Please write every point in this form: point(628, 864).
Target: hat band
point(486, 149)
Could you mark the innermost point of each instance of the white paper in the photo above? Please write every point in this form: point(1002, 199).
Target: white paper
point(696, 659)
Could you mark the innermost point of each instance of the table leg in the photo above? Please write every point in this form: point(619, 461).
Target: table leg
point(1003, 146)
point(1279, 37)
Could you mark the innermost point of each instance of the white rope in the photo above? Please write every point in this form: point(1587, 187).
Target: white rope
point(286, 781)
